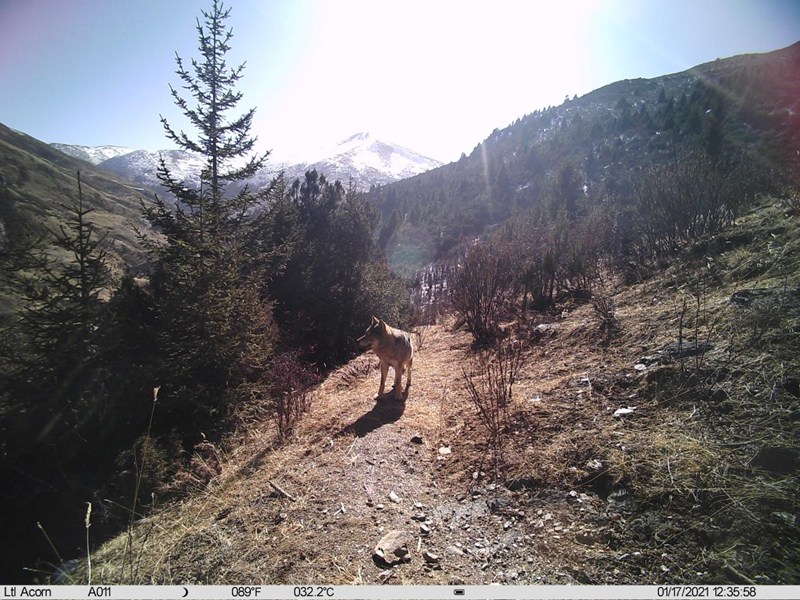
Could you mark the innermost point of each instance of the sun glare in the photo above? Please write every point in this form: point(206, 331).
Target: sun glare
point(443, 62)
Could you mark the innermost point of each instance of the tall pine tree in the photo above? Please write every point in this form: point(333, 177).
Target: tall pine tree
point(51, 358)
point(215, 327)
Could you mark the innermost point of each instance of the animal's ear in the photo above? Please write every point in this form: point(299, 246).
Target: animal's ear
point(383, 324)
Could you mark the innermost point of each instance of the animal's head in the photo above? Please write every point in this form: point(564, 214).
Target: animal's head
point(372, 336)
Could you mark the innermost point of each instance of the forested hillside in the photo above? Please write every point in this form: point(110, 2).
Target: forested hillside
point(739, 117)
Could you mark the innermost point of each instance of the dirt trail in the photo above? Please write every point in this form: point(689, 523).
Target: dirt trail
point(352, 453)
point(349, 454)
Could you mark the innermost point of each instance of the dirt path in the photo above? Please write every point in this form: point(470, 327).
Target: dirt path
point(373, 467)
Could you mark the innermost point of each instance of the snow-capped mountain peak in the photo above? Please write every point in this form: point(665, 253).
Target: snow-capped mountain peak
point(366, 161)
point(92, 154)
point(361, 159)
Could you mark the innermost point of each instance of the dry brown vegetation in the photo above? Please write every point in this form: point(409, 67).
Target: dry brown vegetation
point(695, 481)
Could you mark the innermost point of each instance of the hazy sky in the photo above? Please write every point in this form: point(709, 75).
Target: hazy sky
point(432, 75)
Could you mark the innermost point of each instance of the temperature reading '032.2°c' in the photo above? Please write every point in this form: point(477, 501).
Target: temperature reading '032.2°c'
point(313, 591)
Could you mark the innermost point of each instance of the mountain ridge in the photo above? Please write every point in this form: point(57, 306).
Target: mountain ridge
point(361, 159)
point(92, 154)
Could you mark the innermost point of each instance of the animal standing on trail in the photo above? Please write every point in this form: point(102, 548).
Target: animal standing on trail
point(393, 347)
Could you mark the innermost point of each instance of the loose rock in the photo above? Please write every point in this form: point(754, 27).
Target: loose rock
point(392, 548)
point(621, 412)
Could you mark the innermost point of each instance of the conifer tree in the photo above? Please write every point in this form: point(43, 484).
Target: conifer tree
point(50, 358)
point(215, 328)
point(327, 233)
point(62, 304)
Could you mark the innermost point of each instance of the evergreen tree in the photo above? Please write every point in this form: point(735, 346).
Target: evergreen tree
point(49, 359)
point(50, 384)
point(215, 326)
point(329, 230)
point(502, 190)
point(568, 190)
point(388, 230)
point(61, 299)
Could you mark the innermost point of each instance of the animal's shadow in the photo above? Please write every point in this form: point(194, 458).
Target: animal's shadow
point(387, 410)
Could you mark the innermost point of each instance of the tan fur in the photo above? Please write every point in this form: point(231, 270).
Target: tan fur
point(393, 347)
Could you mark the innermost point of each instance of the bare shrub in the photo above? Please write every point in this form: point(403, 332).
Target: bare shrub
point(685, 199)
point(420, 335)
point(429, 295)
point(490, 383)
point(204, 465)
point(290, 381)
point(538, 253)
point(428, 302)
point(605, 310)
point(701, 320)
point(560, 256)
point(791, 204)
point(479, 286)
point(587, 241)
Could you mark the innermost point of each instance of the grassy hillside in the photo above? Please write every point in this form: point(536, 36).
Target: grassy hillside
point(37, 182)
point(621, 459)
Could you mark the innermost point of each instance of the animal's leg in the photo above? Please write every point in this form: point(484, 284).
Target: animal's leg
point(408, 374)
point(384, 372)
point(398, 376)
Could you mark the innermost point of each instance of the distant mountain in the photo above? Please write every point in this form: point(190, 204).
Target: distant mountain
point(366, 161)
point(92, 154)
point(361, 159)
point(141, 166)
